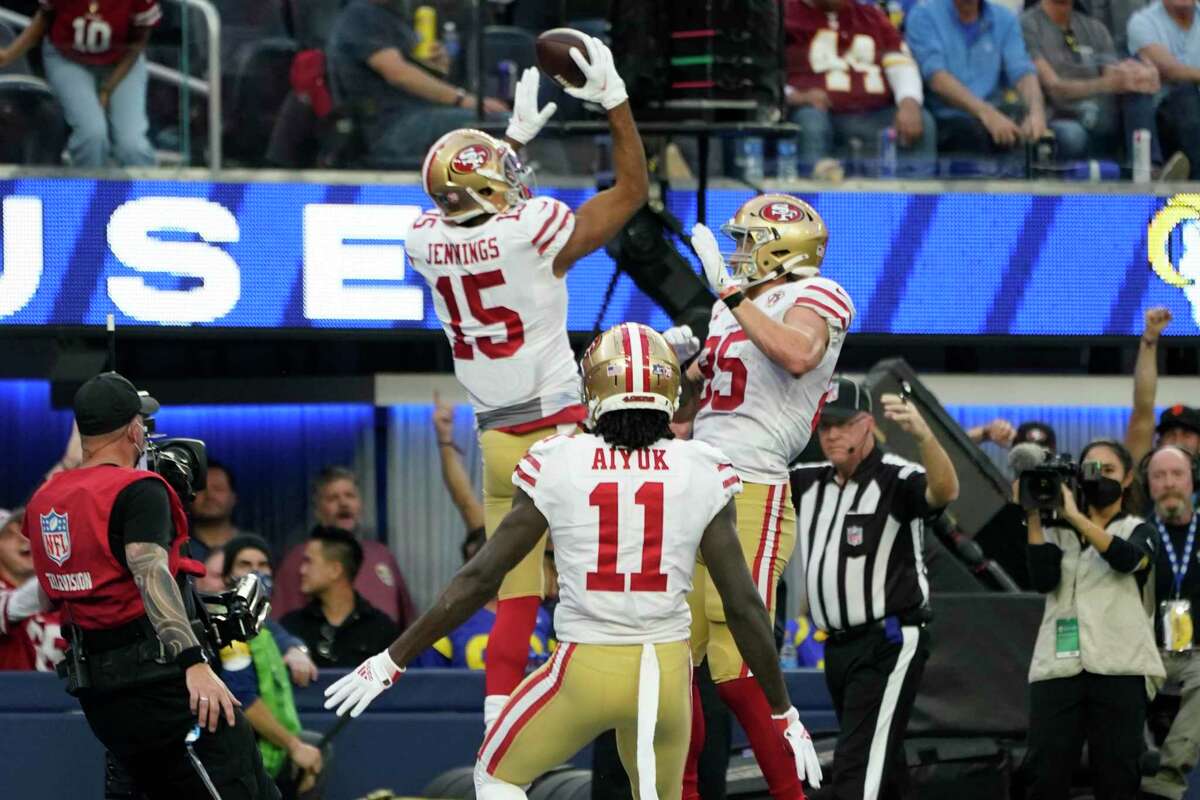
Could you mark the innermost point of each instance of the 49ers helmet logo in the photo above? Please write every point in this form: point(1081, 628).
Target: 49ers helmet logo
point(470, 158)
point(782, 212)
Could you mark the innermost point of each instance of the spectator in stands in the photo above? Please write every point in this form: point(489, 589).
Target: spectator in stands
point(466, 646)
point(404, 104)
point(964, 48)
point(1170, 478)
point(337, 503)
point(29, 639)
point(72, 455)
point(94, 61)
point(1179, 425)
point(212, 512)
point(1001, 432)
point(214, 569)
point(1095, 647)
point(1097, 100)
point(256, 673)
point(851, 76)
point(1114, 16)
point(1165, 34)
point(339, 626)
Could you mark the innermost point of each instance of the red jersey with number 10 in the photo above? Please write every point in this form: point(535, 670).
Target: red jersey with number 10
point(843, 53)
point(97, 31)
point(626, 525)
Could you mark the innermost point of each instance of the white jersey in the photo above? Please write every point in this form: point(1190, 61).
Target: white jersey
point(626, 526)
point(752, 409)
point(502, 308)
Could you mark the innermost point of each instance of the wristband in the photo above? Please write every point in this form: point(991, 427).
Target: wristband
point(191, 657)
point(733, 299)
point(1149, 342)
point(460, 94)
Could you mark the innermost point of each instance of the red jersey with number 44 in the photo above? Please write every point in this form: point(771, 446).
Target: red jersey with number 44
point(844, 53)
point(97, 31)
point(626, 526)
point(503, 309)
point(754, 410)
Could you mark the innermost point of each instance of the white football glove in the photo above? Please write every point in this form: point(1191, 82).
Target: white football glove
point(715, 272)
point(354, 691)
point(682, 341)
point(526, 121)
point(807, 765)
point(604, 86)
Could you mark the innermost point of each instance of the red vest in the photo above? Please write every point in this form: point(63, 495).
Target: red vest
point(67, 525)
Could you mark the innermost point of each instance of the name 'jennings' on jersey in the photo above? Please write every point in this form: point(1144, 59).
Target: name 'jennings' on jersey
point(626, 526)
point(753, 410)
point(502, 308)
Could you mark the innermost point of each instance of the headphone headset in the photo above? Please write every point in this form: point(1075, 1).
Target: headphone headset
point(1144, 466)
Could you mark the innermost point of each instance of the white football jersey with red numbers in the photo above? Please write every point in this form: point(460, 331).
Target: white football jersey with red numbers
point(753, 410)
point(626, 526)
point(503, 309)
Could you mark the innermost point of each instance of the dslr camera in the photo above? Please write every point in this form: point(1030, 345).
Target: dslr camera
point(1040, 487)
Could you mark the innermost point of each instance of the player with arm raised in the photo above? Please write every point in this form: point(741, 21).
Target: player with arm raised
point(756, 390)
point(495, 259)
point(628, 507)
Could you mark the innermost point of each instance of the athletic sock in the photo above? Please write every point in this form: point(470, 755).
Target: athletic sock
point(746, 699)
point(691, 770)
point(508, 644)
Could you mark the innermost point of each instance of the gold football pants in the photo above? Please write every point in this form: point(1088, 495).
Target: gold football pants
point(501, 452)
point(583, 691)
point(766, 524)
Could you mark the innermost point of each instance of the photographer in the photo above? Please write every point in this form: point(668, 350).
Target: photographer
point(106, 547)
point(1095, 646)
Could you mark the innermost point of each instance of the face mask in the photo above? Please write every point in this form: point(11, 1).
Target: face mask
point(1102, 492)
point(266, 583)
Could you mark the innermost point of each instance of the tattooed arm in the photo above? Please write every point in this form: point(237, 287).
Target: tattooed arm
point(164, 606)
point(160, 595)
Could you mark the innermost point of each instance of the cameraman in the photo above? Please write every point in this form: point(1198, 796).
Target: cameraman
point(106, 546)
point(1095, 646)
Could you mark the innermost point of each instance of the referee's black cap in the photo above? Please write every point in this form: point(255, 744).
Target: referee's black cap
point(845, 400)
point(107, 402)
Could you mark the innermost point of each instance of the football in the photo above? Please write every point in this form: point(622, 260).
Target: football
point(554, 55)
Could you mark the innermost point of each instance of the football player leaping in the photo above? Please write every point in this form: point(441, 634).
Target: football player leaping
point(757, 388)
point(627, 507)
point(495, 259)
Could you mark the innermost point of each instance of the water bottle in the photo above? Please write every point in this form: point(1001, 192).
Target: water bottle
point(787, 653)
point(750, 158)
point(887, 153)
point(785, 160)
point(1141, 156)
point(450, 41)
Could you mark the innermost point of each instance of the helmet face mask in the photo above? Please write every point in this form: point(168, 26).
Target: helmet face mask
point(776, 235)
point(468, 173)
point(627, 367)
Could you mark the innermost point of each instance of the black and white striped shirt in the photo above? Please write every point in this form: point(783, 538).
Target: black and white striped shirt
point(861, 544)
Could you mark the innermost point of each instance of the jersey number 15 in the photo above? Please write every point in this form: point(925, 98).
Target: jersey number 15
point(471, 287)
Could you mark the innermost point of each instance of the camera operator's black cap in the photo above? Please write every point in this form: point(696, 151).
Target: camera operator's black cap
point(1036, 433)
point(108, 401)
point(845, 400)
point(1178, 416)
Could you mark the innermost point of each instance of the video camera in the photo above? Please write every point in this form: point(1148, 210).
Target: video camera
point(237, 615)
point(182, 463)
point(1040, 487)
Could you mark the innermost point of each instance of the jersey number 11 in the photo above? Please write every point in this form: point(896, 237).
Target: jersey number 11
point(606, 578)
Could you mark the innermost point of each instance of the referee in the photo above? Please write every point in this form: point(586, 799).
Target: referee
point(860, 523)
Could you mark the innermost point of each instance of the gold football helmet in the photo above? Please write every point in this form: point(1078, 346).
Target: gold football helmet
point(468, 173)
point(776, 234)
point(630, 366)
